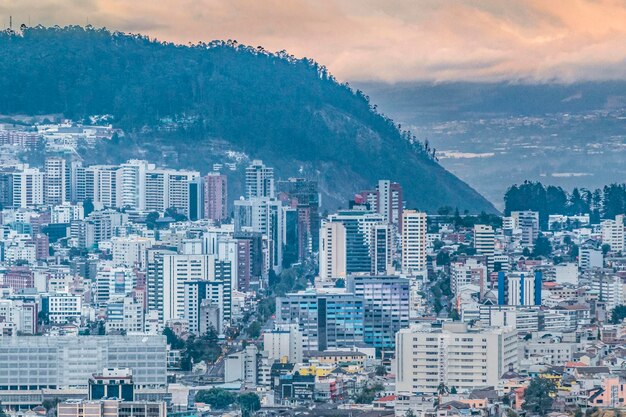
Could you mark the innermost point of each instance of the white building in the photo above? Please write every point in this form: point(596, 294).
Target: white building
point(332, 255)
point(414, 242)
point(284, 343)
point(131, 251)
point(454, 355)
point(485, 242)
point(613, 233)
point(589, 258)
point(57, 184)
point(259, 180)
point(28, 189)
point(64, 308)
point(179, 269)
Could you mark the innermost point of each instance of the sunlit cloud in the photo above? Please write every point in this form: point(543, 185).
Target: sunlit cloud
point(391, 40)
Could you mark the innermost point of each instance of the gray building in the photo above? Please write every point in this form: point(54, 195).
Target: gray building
point(34, 366)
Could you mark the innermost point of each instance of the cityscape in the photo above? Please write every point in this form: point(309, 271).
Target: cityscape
point(203, 228)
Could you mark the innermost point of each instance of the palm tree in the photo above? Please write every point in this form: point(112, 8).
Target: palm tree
point(442, 390)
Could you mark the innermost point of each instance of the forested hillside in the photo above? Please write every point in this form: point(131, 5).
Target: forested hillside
point(290, 112)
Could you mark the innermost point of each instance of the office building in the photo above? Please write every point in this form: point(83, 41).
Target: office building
point(386, 307)
point(359, 224)
point(110, 408)
point(34, 364)
point(328, 319)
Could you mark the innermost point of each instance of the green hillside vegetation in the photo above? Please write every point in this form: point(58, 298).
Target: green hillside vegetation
point(290, 112)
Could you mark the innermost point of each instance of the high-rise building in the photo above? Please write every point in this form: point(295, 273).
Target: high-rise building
point(382, 249)
point(613, 233)
point(215, 196)
point(328, 319)
point(332, 255)
point(386, 306)
point(27, 188)
point(528, 222)
point(57, 181)
point(113, 282)
point(154, 278)
point(134, 183)
point(485, 243)
point(519, 288)
point(414, 229)
point(167, 188)
point(359, 225)
point(303, 195)
point(263, 215)
point(259, 180)
point(390, 202)
point(179, 269)
point(453, 355)
point(216, 292)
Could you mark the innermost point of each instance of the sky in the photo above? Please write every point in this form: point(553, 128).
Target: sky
point(384, 40)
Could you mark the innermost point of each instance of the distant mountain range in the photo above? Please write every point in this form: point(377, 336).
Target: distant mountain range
point(494, 135)
point(192, 106)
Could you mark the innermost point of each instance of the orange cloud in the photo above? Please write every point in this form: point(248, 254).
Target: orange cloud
point(391, 40)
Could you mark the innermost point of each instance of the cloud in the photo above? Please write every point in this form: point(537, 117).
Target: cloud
point(391, 40)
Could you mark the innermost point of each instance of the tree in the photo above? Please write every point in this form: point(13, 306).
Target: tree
point(542, 246)
point(151, 219)
point(217, 398)
point(442, 389)
point(605, 249)
point(409, 413)
point(453, 390)
point(381, 370)
point(173, 340)
point(88, 206)
point(538, 396)
point(618, 314)
point(340, 283)
point(249, 403)
point(254, 330)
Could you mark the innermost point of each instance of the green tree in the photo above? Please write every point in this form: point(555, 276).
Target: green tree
point(87, 206)
point(254, 330)
point(542, 246)
point(538, 396)
point(618, 314)
point(151, 219)
point(217, 398)
point(249, 403)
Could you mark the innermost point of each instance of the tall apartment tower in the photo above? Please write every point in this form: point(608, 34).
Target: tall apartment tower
point(57, 175)
point(259, 180)
point(613, 233)
point(215, 193)
point(414, 242)
point(484, 242)
point(134, 183)
point(332, 251)
point(390, 203)
point(28, 188)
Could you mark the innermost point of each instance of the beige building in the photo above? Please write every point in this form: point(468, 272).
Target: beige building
point(332, 251)
point(454, 355)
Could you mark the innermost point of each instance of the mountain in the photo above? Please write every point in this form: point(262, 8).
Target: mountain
point(196, 105)
point(496, 134)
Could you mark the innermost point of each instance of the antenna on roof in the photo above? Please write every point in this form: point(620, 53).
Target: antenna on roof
point(10, 22)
